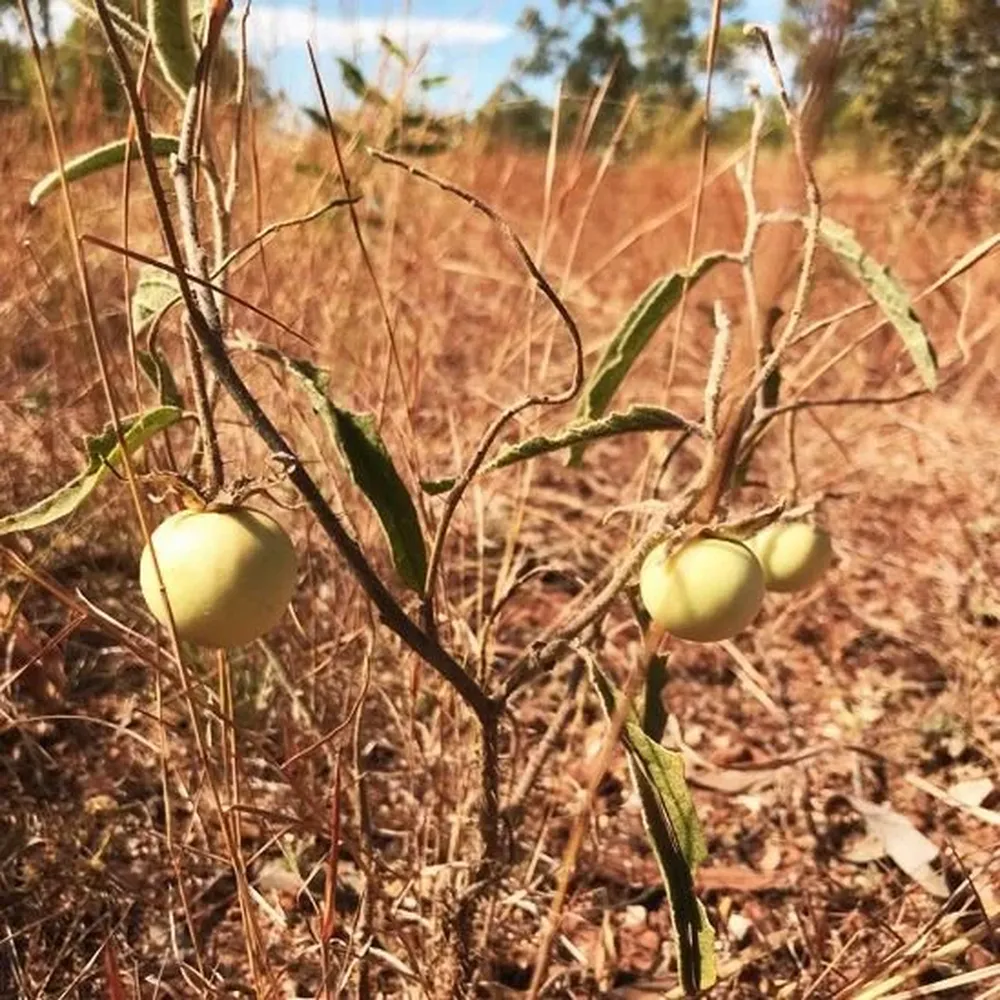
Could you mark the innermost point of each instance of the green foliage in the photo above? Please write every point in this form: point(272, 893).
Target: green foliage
point(390, 121)
point(355, 82)
point(890, 295)
point(95, 160)
point(592, 39)
point(170, 30)
point(673, 830)
point(929, 72)
point(512, 115)
point(103, 452)
point(154, 291)
point(155, 367)
point(15, 74)
point(917, 77)
point(369, 464)
point(637, 419)
point(367, 458)
point(631, 338)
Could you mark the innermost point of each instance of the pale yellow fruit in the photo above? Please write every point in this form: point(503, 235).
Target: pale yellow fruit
point(229, 575)
point(706, 591)
point(793, 554)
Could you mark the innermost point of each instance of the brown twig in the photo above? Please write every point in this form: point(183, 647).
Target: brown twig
point(539, 399)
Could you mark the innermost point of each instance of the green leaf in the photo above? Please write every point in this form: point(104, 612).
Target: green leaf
point(393, 50)
point(98, 159)
point(654, 715)
point(432, 82)
point(888, 293)
point(154, 291)
point(318, 118)
point(631, 338)
point(372, 470)
point(154, 366)
point(356, 83)
point(410, 147)
point(131, 32)
point(675, 836)
point(369, 464)
point(169, 25)
point(102, 452)
point(636, 419)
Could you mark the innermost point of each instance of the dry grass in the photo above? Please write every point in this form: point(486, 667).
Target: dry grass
point(888, 671)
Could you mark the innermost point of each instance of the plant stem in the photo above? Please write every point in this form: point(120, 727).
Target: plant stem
point(213, 349)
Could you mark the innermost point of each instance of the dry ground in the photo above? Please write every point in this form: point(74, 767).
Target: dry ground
point(883, 683)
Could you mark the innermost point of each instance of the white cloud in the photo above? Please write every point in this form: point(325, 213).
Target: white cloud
point(291, 27)
point(271, 28)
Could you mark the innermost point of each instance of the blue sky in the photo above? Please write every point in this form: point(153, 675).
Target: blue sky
point(473, 41)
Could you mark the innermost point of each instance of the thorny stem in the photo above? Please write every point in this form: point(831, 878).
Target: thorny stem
point(812, 221)
point(196, 263)
point(544, 655)
point(213, 348)
point(485, 873)
point(759, 337)
point(206, 324)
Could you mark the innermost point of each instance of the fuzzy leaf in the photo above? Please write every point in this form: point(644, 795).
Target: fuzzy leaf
point(102, 453)
point(154, 291)
point(888, 293)
point(393, 50)
point(432, 82)
point(131, 32)
point(631, 338)
point(169, 24)
point(372, 470)
point(676, 838)
point(369, 464)
point(634, 420)
point(154, 366)
point(98, 159)
point(353, 78)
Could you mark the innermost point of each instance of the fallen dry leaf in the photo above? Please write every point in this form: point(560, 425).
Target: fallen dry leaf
point(911, 851)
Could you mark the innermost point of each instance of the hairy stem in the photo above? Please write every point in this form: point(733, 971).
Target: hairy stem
point(213, 349)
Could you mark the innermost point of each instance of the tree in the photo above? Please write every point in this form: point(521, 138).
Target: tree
point(919, 75)
point(510, 114)
point(929, 83)
point(652, 47)
point(596, 39)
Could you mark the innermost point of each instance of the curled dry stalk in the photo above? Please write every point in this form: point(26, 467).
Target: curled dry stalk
point(538, 399)
point(197, 265)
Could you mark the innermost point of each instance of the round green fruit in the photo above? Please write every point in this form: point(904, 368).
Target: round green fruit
point(708, 590)
point(229, 575)
point(793, 554)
